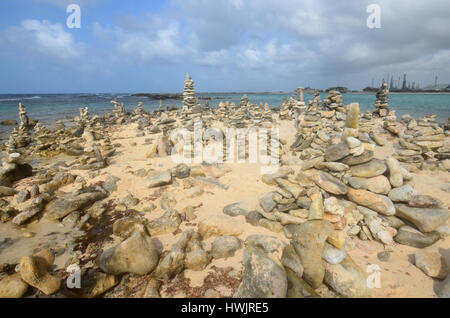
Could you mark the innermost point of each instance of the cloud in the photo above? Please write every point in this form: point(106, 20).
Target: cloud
point(43, 37)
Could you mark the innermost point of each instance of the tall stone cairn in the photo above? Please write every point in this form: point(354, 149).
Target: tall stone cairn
point(381, 103)
point(189, 98)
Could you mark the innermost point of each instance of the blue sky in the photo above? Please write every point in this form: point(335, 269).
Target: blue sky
point(226, 45)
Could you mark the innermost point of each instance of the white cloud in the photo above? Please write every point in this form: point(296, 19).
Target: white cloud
point(45, 38)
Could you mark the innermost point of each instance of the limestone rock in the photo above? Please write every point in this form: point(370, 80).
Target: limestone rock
point(34, 271)
point(431, 263)
point(426, 219)
point(12, 286)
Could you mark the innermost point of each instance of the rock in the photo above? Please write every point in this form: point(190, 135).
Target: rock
point(196, 258)
point(333, 255)
point(290, 187)
point(34, 271)
point(225, 246)
point(402, 194)
point(7, 192)
point(426, 219)
point(270, 244)
point(376, 202)
point(158, 179)
point(219, 226)
point(329, 183)
point(316, 207)
point(285, 218)
point(253, 218)
point(267, 202)
point(167, 223)
point(234, 210)
point(352, 142)
point(36, 207)
point(337, 239)
point(385, 237)
point(431, 263)
point(59, 208)
point(181, 171)
point(271, 225)
point(379, 184)
point(8, 122)
point(71, 219)
point(127, 226)
point(110, 184)
point(297, 287)
point(173, 262)
point(12, 286)
point(352, 116)
point(22, 196)
point(409, 236)
point(395, 172)
point(263, 277)
point(332, 205)
point(444, 290)
point(366, 156)
point(309, 240)
point(96, 283)
point(290, 259)
point(337, 152)
point(12, 172)
point(425, 201)
point(384, 256)
point(138, 255)
point(370, 169)
point(347, 279)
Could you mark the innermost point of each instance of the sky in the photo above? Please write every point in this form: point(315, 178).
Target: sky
point(225, 45)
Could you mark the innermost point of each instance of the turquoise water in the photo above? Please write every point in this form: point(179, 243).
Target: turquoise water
point(49, 108)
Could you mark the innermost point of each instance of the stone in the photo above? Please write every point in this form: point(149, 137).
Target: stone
point(309, 240)
point(444, 289)
point(267, 202)
point(7, 192)
point(352, 142)
point(297, 287)
point(12, 172)
point(385, 237)
point(333, 255)
point(376, 202)
point(352, 116)
point(290, 259)
point(218, 226)
point(337, 152)
point(409, 236)
point(337, 239)
point(196, 258)
point(333, 206)
point(271, 225)
point(316, 207)
point(431, 263)
point(110, 184)
point(370, 169)
point(253, 218)
point(234, 210)
point(96, 283)
point(12, 286)
point(125, 227)
point(225, 246)
point(59, 208)
point(425, 201)
point(181, 171)
point(347, 279)
point(365, 157)
point(395, 172)
point(152, 289)
point(329, 183)
point(379, 184)
point(426, 219)
point(158, 179)
point(263, 277)
point(34, 271)
point(169, 222)
point(384, 256)
point(138, 255)
point(402, 194)
point(292, 188)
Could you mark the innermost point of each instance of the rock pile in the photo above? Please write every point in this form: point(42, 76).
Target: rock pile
point(381, 103)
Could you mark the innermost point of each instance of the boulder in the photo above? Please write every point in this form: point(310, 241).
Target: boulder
point(34, 270)
point(369, 169)
point(12, 286)
point(426, 219)
point(376, 202)
point(225, 246)
point(59, 208)
point(431, 263)
point(138, 255)
point(410, 236)
point(337, 152)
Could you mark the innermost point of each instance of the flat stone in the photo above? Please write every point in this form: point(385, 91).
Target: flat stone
point(333, 255)
point(225, 246)
point(402, 194)
point(409, 236)
point(329, 183)
point(426, 219)
point(159, 179)
point(431, 263)
point(366, 156)
point(370, 169)
point(337, 152)
point(234, 210)
point(267, 202)
point(376, 202)
point(12, 286)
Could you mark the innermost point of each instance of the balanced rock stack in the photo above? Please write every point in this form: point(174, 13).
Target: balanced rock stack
point(189, 98)
point(119, 111)
point(423, 145)
point(381, 103)
point(285, 110)
point(24, 138)
point(244, 101)
point(334, 101)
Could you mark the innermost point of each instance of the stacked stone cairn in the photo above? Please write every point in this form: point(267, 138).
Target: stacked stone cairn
point(381, 103)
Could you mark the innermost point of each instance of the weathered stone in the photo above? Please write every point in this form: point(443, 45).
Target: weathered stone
point(59, 208)
point(333, 255)
point(409, 236)
point(337, 152)
point(181, 171)
point(219, 226)
point(444, 289)
point(7, 192)
point(271, 225)
point(234, 210)
point(34, 271)
point(167, 223)
point(366, 156)
point(329, 183)
point(96, 283)
point(12, 286)
point(425, 201)
point(431, 263)
point(308, 241)
point(347, 279)
point(158, 179)
point(395, 172)
point(376, 202)
point(267, 202)
point(127, 226)
point(426, 219)
point(379, 184)
point(138, 255)
point(290, 259)
point(297, 287)
point(352, 116)
point(292, 188)
point(225, 246)
point(402, 194)
point(263, 277)
point(370, 169)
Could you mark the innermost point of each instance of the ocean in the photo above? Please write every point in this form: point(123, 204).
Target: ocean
point(47, 108)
